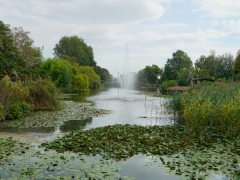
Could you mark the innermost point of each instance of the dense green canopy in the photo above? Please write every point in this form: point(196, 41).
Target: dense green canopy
point(176, 64)
point(10, 59)
point(75, 49)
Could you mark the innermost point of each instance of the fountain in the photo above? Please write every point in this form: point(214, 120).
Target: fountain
point(127, 79)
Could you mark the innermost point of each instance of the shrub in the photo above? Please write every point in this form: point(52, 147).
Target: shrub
point(167, 84)
point(209, 106)
point(80, 83)
point(10, 92)
point(18, 109)
point(43, 95)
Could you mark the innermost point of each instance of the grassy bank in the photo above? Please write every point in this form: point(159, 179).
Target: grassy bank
point(216, 105)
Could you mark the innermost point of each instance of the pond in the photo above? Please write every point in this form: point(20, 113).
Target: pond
point(127, 107)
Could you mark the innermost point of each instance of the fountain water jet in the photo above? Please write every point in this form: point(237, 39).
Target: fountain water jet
point(127, 79)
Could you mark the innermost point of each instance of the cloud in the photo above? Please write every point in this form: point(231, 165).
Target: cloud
point(219, 8)
point(150, 28)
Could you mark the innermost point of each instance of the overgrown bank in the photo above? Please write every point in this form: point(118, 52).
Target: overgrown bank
point(216, 105)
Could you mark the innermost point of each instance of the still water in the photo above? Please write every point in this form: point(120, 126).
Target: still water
point(127, 106)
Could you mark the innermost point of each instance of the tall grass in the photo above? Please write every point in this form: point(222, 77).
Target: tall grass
point(216, 105)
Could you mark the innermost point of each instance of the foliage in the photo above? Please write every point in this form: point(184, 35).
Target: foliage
point(103, 73)
point(68, 76)
point(80, 83)
point(167, 84)
point(214, 66)
point(142, 77)
point(94, 79)
point(19, 109)
point(32, 55)
point(11, 93)
point(174, 144)
point(152, 73)
point(211, 106)
point(60, 71)
point(236, 69)
point(183, 76)
point(175, 65)
point(10, 59)
point(74, 48)
point(43, 95)
point(17, 99)
point(224, 66)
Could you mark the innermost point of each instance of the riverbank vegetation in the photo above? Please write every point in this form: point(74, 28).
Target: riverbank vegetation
point(209, 106)
point(29, 82)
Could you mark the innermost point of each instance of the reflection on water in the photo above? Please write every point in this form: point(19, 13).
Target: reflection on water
point(74, 125)
point(129, 107)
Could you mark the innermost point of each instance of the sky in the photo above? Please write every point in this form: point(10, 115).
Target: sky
point(127, 35)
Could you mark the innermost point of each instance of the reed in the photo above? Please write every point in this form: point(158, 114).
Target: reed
point(216, 105)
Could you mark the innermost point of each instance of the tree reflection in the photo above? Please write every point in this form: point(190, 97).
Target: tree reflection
point(74, 125)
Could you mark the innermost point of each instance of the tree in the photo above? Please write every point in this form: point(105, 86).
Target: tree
point(236, 69)
point(60, 71)
point(75, 49)
point(94, 79)
point(80, 82)
point(10, 59)
point(183, 76)
point(152, 73)
point(103, 73)
point(224, 66)
point(31, 54)
point(205, 66)
point(176, 64)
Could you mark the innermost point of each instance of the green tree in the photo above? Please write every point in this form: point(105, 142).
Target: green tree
point(183, 76)
point(175, 65)
point(80, 82)
point(75, 49)
point(205, 66)
point(31, 54)
point(167, 84)
point(152, 73)
point(141, 77)
point(94, 79)
point(236, 69)
point(10, 59)
point(224, 66)
point(103, 73)
point(60, 71)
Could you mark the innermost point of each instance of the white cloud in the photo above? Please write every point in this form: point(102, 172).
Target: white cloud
point(107, 25)
point(219, 8)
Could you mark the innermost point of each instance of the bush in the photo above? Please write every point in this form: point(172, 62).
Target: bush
point(18, 109)
point(43, 95)
point(80, 83)
point(17, 99)
point(209, 106)
point(167, 84)
point(10, 92)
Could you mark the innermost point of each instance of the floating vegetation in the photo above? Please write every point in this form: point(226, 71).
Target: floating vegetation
point(38, 164)
point(9, 147)
point(184, 154)
point(71, 111)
